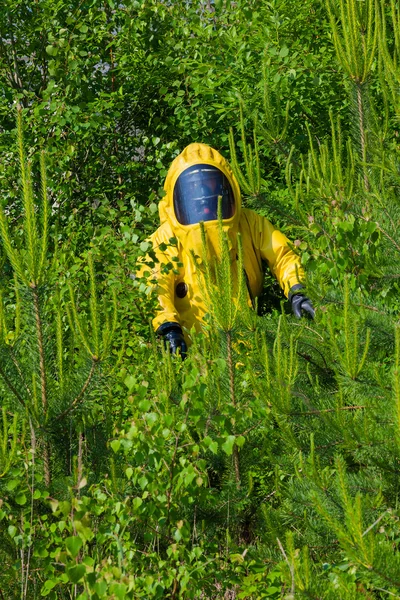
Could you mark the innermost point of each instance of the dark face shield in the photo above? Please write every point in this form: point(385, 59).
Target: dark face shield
point(196, 195)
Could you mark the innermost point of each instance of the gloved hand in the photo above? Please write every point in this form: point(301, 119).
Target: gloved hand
point(173, 335)
point(300, 302)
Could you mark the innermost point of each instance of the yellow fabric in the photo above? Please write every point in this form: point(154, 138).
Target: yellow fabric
point(261, 241)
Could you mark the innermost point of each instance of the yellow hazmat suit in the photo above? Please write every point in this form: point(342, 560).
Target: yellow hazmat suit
point(180, 299)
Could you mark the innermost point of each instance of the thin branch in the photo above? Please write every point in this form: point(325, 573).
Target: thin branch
point(389, 237)
point(373, 524)
point(361, 306)
point(81, 393)
point(309, 328)
point(326, 410)
point(291, 568)
point(269, 496)
point(386, 591)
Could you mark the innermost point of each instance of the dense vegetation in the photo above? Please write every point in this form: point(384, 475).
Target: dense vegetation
point(266, 465)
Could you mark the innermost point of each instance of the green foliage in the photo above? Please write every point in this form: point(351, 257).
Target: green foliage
point(356, 45)
point(8, 447)
point(44, 389)
point(266, 464)
point(224, 289)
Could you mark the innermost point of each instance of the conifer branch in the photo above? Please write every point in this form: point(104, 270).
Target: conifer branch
point(45, 215)
point(356, 48)
point(251, 183)
point(243, 134)
point(59, 341)
point(19, 370)
point(75, 320)
point(18, 308)
point(235, 164)
point(109, 329)
point(231, 371)
point(11, 386)
point(41, 353)
point(365, 352)
point(11, 253)
point(93, 306)
point(3, 323)
point(30, 227)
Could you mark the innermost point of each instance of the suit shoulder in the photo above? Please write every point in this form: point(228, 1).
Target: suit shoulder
point(253, 218)
point(162, 234)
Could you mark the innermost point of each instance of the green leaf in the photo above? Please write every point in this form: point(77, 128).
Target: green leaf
point(12, 484)
point(52, 50)
point(240, 440)
point(136, 503)
point(100, 588)
point(177, 535)
point(236, 558)
point(189, 478)
point(21, 499)
point(115, 445)
point(118, 590)
point(213, 447)
point(49, 584)
point(144, 405)
point(76, 573)
point(130, 382)
point(12, 531)
point(143, 481)
point(227, 446)
point(73, 544)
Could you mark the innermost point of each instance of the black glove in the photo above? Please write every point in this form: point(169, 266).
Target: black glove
point(300, 302)
point(173, 335)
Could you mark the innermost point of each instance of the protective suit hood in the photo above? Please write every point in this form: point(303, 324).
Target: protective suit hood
point(189, 235)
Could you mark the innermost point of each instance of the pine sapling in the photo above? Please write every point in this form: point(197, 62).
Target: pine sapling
point(44, 365)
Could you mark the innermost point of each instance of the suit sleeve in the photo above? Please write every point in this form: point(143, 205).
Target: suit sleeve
point(161, 278)
point(275, 248)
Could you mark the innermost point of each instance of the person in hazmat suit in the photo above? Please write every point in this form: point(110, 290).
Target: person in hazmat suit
point(195, 182)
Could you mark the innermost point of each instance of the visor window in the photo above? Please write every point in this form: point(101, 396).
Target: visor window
point(196, 195)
